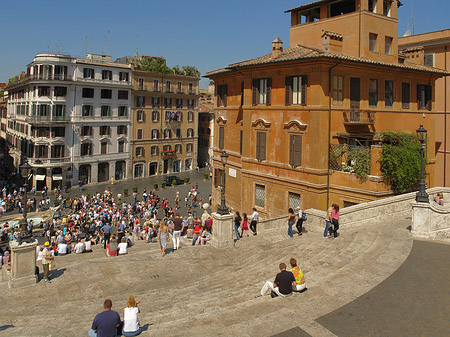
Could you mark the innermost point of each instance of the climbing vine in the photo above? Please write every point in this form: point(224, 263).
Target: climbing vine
point(400, 160)
point(360, 157)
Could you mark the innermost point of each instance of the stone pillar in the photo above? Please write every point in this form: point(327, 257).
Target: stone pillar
point(112, 170)
point(94, 173)
point(222, 231)
point(23, 264)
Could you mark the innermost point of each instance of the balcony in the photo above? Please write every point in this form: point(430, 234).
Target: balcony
point(48, 161)
point(359, 117)
point(142, 88)
point(47, 119)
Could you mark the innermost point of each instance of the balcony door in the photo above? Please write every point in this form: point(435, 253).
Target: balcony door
point(355, 92)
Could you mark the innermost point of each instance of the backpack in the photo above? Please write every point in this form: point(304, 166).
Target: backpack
point(304, 217)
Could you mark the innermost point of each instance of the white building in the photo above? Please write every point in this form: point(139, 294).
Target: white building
point(70, 118)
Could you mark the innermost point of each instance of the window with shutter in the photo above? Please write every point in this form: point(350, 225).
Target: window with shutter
point(338, 92)
point(373, 92)
point(295, 150)
point(255, 92)
point(260, 146)
point(288, 90)
point(388, 93)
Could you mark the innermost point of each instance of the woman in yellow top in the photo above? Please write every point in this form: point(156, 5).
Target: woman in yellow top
point(298, 274)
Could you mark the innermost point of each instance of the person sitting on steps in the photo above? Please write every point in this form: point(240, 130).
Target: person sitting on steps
point(299, 278)
point(283, 284)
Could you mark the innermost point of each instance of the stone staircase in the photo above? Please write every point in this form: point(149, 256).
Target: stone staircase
point(202, 291)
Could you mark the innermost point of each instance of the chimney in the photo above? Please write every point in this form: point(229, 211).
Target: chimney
point(331, 42)
point(277, 47)
point(415, 55)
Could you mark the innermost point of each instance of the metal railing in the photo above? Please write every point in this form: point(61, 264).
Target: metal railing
point(47, 161)
point(46, 119)
point(344, 157)
point(359, 117)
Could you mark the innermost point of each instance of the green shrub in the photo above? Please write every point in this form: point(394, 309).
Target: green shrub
point(163, 185)
point(135, 189)
point(174, 182)
point(186, 179)
point(206, 176)
point(155, 186)
point(400, 161)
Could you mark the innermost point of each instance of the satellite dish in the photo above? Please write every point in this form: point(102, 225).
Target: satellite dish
point(407, 33)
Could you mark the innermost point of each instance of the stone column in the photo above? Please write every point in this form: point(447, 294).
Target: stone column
point(94, 173)
point(222, 231)
point(112, 170)
point(23, 264)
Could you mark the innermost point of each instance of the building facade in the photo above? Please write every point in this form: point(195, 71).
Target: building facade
point(289, 120)
point(70, 118)
point(433, 49)
point(205, 128)
point(164, 123)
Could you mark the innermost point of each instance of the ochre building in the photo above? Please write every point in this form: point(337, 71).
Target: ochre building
point(433, 49)
point(164, 123)
point(339, 83)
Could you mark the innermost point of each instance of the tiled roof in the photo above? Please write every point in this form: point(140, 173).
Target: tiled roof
point(412, 49)
point(319, 2)
point(300, 52)
point(332, 35)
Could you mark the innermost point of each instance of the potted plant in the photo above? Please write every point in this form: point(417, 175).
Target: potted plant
point(186, 180)
point(135, 189)
point(163, 185)
point(174, 183)
point(205, 176)
point(125, 192)
point(155, 186)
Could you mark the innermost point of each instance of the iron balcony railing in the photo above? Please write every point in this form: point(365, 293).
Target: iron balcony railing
point(359, 117)
point(47, 119)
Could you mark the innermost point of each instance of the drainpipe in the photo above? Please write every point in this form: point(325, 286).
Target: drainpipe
point(329, 132)
point(445, 117)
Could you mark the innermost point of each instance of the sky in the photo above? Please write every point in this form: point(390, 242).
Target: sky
point(208, 34)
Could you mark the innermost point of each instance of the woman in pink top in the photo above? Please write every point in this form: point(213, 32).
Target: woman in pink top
point(335, 219)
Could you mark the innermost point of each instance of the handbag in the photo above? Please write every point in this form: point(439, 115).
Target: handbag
point(52, 265)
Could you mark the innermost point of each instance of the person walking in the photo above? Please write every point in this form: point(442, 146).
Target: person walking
point(237, 224)
point(177, 228)
point(244, 225)
point(335, 219)
point(300, 220)
point(291, 220)
point(327, 222)
point(255, 219)
point(46, 258)
point(163, 235)
point(106, 230)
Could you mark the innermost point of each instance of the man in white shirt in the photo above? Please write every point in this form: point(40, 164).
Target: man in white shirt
point(254, 221)
point(79, 247)
point(62, 248)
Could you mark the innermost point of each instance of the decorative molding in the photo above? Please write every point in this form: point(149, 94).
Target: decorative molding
point(295, 126)
point(221, 120)
point(261, 124)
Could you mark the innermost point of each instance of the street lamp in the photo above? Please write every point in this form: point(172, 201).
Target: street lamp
point(422, 195)
point(25, 170)
point(222, 210)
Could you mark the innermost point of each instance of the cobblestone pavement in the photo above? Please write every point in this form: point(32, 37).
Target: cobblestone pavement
point(200, 291)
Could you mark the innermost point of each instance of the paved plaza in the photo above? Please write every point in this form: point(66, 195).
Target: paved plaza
point(358, 284)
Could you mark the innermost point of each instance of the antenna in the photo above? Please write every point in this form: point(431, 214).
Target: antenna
point(85, 44)
point(104, 46)
point(137, 44)
point(109, 42)
point(412, 18)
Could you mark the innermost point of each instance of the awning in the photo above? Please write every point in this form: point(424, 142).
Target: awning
point(40, 177)
point(57, 177)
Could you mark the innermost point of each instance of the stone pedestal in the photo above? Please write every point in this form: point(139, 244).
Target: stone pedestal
point(222, 231)
point(23, 264)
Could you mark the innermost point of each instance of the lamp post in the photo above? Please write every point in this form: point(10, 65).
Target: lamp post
point(25, 170)
point(222, 210)
point(422, 195)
